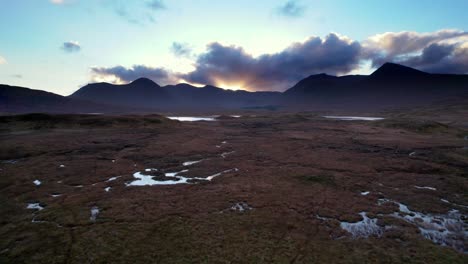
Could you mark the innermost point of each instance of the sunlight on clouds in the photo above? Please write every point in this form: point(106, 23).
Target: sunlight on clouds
point(227, 86)
point(3, 60)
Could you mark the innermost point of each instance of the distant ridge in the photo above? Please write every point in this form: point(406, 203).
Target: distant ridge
point(390, 86)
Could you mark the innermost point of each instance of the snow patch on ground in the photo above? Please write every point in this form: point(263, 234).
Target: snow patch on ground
point(425, 188)
point(241, 207)
point(448, 229)
point(365, 228)
point(189, 163)
point(148, 180)
point(113, 178)
point(365, 193)
point(37, 182)
point(225, 154)
point(94, 213)
point(107, 189)
point(34, 206)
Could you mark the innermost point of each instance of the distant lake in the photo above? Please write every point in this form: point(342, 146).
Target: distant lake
point(355, 118)
point(192, 118)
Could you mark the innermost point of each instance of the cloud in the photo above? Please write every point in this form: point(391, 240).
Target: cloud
point(392, 46)
point(71, 46)
point(57, 2)
point(140, 13)
point(440, 58)
point(181, 49)
point(291, 8)
point(120, 74)
point(156, 4)
point(3, 60)
point(444, 51)
point(228, 65)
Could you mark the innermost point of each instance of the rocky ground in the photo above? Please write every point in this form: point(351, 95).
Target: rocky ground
point(261, 188)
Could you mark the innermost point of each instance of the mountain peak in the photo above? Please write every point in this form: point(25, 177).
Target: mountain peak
point(389, 69)
point(144, 82)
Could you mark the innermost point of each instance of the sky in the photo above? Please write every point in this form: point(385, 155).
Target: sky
point(62, 45)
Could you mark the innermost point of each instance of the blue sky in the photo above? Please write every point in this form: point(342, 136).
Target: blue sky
point(59, 46)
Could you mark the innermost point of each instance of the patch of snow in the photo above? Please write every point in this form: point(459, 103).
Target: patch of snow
point(35, 206)
point(62, 166)
point(191, 118)
point(147, 180)
point(459, 205)
point(241, 207)
point(224, 142)
point(354, 118)
point(225, 154)
point(113, 178)
point(56, 195)
point(113, 161)
point(425, 188)
point(37, 182)
point(365, 193)
point(10, 161)
point(78, 186)
point(235, 116)
point(94, 213)
point(107, 189)
point(443, 229)
point(189, 163)
point(364, 228)
point(412, 154)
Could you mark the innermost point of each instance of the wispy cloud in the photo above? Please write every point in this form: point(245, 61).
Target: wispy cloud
point(17, 76)
point(140, 13)
point(180, 49)
point(291, 8)
point(156, 4)
point(71, 46)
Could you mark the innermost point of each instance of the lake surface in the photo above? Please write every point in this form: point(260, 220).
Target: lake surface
point(355, 118)
point(192, 118)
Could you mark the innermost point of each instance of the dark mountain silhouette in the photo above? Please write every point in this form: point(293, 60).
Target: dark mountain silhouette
point(143, 93)
point(390, 86)
point(15, 99)
point(146, 93)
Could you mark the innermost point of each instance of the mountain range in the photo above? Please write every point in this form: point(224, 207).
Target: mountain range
point(390, 86)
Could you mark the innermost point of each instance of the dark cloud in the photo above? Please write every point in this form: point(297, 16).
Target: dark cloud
point(233, 65)
point(181, 49)
point(440, 58)
point(120, 74)
point(444, 51)
point(156, 4)
point(392, 46)
point(291, 8)
point(71, 46)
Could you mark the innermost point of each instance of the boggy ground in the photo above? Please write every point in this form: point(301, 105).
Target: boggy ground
point(288, 182)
